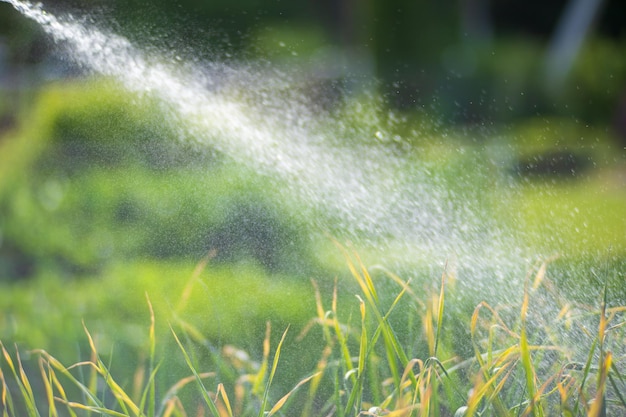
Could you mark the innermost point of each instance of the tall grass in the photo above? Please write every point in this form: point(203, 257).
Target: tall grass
point(367, 366)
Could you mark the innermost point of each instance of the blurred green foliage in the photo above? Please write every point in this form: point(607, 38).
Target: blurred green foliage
point(225, 294)
point(472, 62)
point(93, 177)
point(101, 205)
point(97, 175)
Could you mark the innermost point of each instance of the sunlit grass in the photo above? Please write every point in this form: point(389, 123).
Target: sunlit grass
point(575, 219)
point(521, 364)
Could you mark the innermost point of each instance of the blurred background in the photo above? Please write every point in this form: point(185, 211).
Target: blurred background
point(470, 61)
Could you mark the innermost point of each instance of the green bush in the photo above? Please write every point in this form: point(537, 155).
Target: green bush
point(560, 147)
point(508, 83)
point(96, 175)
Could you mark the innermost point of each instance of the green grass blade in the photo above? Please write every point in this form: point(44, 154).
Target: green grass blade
point(149, 394)
point(205, 394)
point(618, 391)
point(357, 389)
point(450, 384)
point(342, 340)
point(272, 373)
point(393, 349)
point(529, 373)
point(284, 399)
point(5, 399)
point(535, 408)
point(586, 372)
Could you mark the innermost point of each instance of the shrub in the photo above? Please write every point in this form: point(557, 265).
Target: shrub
point(94, 176)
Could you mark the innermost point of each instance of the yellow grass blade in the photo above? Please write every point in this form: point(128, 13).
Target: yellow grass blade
point(86, 391)
point(5, 396)
point(93, 409)
point(170, 395)
point(429, 331)
point(259, 378)
point(22, 381)
point(541, 273)
point(195, 275)
point(221, 392)
point(151, 334)
point(488, 390)
point(59, 387)
point(118, 392)
point(284, 399)
point(24, 378)
point(47, 382)
point(440, 311)
point(368, 280)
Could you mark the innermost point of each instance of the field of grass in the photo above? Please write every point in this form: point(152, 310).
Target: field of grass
point(365, 362)
point(177, 285)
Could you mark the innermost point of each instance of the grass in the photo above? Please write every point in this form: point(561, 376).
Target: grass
point(45, 312)
point(366, 365)
point(575, 219)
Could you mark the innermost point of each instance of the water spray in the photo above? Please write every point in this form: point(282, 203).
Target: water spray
point(368, 192)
